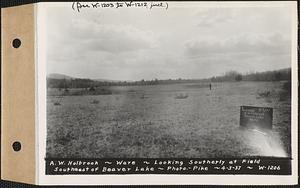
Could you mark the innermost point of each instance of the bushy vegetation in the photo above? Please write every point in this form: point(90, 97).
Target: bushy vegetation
point(228, 76)
point(278, 75)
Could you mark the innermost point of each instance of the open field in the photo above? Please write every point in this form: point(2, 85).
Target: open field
point(178, 120)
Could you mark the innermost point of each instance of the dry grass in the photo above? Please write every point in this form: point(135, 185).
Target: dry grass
point(205, 124)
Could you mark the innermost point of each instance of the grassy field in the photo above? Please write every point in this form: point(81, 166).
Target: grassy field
point(179, 120)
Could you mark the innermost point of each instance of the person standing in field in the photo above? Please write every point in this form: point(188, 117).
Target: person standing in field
point(209, 86)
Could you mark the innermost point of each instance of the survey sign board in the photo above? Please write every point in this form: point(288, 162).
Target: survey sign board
point(256, 117)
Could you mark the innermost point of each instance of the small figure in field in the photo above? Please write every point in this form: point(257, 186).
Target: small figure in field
point(209, 86)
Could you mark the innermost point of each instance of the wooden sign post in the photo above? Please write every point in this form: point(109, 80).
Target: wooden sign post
point(256, 117)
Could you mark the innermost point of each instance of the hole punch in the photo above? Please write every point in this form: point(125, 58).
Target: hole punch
point(16, 43)
point(16, 146)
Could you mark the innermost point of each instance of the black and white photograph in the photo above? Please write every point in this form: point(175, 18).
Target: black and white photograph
point(168, 80)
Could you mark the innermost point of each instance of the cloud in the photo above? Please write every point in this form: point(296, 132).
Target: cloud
point(271, 44)
point(82, 37)
point(243, 53)
point(189, 42)
point(111, 38)
point(214, 16)
point(87, 46)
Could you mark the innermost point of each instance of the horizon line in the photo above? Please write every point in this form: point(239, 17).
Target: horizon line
point(116, 80)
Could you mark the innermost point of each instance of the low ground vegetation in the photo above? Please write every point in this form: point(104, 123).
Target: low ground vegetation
point(149, 121)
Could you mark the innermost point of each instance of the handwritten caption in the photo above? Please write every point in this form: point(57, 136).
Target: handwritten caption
point(168, 166)
point(79, 6)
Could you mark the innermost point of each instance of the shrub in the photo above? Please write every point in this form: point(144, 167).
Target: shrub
point(238, 77)
point(92, 89)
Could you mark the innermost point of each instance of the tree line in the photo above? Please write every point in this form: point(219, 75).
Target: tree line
point(278, 75)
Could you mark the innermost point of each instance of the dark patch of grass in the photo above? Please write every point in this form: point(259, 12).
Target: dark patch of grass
point(264, 94)
point(287, 86)
point(143, 96)
point(181, 96)
point(95, 102)
point(197, 86)
point(286, 91)
point(63, 136)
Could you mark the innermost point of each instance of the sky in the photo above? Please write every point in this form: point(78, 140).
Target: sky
point(187, 40)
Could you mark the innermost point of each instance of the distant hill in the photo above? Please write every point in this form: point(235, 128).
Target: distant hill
point(56, 80)
point(63, 76)
point(59, 76)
